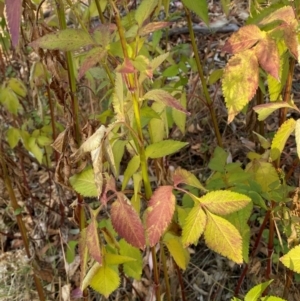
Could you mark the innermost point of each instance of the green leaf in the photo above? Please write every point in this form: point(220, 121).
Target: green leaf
point(264, 173)
point(183, 176)
point(281, 137)
point(177, 251)
point(222, 237)
point(193, 226)
point(292, 259)
point(257, 291)
point(132, 269)
point(179, 117)
point(132, 167)
point(144, 10)
point(17, 86)
point(215, 76)
point(240, 81)
point(118, 152)
point(43, 140)
point(218, 161)
point(64, 40)
point(84, 183)
point(105, 280)
point(224, 202)
point(171, 71)
point(70, 252)
point(164, 148)
point(166, 98)
point(35, 149)
point(267, 109)
point(265, 144)
point(9, 100)
point(159, 213)
point(13, 136)
point(240, 220)
point(115, 259)
point(200, 7)
point(272, 298)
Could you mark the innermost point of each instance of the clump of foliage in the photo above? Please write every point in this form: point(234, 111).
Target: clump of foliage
point(128, 133)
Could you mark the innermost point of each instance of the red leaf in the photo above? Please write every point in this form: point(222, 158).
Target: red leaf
point(110, 185)
point(268, 56)
point(127, 223)
point(159, 213)
point(93, 57)
point(150, 27)
point(285, 13)
point(92, 238)
point(166, 98)
point(13, 12)
point(126, 67)
point(243, 39)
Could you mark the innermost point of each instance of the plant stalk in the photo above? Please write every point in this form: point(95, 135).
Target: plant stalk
point(288, 90)
point(209, 102)
point(133, 88)
point(166, 274)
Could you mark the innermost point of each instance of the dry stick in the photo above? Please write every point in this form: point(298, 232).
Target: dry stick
point(261, 229)
point(21, 225)
point(209, 102)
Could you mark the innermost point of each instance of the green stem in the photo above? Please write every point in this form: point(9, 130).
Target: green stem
point(209, 102)
point(134, 90)
point(100, 12)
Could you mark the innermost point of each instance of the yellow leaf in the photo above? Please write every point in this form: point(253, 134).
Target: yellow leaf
point(105, 280)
